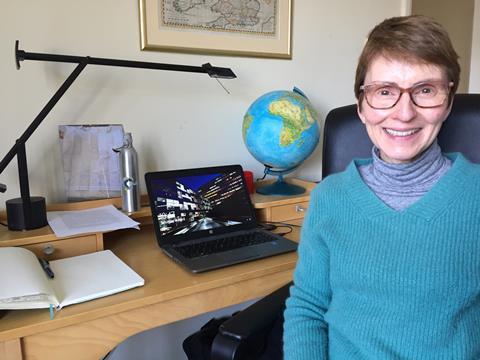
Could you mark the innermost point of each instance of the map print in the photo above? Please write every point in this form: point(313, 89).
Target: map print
point(245, 16)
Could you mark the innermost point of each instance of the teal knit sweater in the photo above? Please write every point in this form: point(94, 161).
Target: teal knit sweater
point(375, 283)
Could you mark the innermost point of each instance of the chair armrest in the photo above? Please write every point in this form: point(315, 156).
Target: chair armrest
point(244, 326)
point(257, 316)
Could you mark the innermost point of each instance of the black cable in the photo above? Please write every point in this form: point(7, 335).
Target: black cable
point(274, 225)
point(268, 227)
point(285, 233)
point(4, 224)
point(279, 223)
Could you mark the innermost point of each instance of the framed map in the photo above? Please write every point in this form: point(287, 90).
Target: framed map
point(226, 27)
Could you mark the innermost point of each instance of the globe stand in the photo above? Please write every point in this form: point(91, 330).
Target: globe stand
point(280, 187)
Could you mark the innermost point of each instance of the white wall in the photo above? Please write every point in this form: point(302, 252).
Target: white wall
point(474, 84)
point(177, 119)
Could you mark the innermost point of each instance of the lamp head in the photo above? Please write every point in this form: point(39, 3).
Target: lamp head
point(218, 72)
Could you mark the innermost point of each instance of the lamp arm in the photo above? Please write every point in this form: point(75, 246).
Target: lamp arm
point(212, 71)
point(19, 147)
point(43, 113)
point(23, 179)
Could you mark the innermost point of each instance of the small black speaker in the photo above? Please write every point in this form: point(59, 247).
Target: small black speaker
point(15, 216)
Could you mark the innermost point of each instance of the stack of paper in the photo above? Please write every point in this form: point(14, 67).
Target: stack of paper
point(101, 219)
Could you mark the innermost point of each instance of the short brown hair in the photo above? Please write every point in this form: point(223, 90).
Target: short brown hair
point(415, 38)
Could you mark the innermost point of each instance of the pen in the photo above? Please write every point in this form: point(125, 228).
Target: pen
point(46, 268)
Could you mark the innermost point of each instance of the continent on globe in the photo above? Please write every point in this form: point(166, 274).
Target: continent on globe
point(296, 119)
point(247, 120)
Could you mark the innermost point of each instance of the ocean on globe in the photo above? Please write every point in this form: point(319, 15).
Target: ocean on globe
point(280, 129)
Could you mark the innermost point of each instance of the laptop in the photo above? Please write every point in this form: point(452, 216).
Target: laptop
point(204, 219)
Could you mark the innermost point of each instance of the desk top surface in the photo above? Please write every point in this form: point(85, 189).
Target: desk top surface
point(164, 280)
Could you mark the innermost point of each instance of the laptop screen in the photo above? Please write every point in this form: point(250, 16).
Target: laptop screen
point(198, 202)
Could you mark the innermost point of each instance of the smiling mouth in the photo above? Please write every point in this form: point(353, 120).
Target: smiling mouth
point(401, 133)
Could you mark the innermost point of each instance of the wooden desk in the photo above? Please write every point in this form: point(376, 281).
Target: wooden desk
point(91, 329)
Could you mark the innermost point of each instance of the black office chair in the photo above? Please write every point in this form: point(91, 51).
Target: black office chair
point(255, 332)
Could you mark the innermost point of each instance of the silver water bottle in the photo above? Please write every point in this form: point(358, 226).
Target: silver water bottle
point(129, 175)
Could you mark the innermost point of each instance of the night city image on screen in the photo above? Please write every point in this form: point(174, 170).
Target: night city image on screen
point(203, 202)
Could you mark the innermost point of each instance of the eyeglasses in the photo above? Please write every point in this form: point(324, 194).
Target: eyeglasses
point(384, 95)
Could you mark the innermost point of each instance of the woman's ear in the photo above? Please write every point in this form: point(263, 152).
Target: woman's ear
point(359, 112)
point(448, 110)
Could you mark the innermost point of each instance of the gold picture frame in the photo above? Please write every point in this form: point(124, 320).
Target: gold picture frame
point(193, 26)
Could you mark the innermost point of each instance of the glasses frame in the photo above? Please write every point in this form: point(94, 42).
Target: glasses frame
point(406, 90)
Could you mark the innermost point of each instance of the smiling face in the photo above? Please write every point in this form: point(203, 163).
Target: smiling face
point(405, 131)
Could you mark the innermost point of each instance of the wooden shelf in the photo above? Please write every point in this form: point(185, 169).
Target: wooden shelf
point(290, 209)
point(269, 208)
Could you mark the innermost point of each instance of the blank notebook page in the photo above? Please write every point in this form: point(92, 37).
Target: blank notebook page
point(86, 277)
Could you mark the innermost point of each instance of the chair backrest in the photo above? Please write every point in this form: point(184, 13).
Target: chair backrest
point(345, 137)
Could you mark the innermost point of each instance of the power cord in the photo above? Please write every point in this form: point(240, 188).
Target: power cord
point(279, 223)
point(273, 225)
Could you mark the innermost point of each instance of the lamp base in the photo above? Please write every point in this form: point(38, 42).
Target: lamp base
point(16, 217)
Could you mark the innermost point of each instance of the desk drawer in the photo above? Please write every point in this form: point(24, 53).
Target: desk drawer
point(66, 247)
point(289, 212)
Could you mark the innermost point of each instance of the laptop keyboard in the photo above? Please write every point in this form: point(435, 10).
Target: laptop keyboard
point(223, 244)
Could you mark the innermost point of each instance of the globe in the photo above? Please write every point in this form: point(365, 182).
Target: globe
point(280, 130)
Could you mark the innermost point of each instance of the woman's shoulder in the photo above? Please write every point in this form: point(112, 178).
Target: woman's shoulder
point(464, 174)
point(464, 165)
point(341, 181)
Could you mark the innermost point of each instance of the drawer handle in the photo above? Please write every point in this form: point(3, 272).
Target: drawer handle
point(48, 249)
point(298, 208)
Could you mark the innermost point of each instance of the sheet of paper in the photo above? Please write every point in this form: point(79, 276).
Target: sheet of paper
point(101, 219)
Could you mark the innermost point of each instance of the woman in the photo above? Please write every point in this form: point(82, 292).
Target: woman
point(389, 258)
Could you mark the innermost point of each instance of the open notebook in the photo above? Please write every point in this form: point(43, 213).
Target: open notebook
point(25, 285)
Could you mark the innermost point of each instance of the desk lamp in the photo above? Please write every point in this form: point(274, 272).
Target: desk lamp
point(29, 212)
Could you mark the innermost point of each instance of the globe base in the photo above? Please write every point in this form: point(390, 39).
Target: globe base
point(281, 188)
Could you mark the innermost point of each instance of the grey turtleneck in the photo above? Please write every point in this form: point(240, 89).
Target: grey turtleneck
point(401, 185)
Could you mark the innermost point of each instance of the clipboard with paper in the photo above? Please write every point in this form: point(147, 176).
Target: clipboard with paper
point(90, 167)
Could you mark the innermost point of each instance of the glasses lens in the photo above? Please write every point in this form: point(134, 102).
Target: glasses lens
point(430, 95)
point(382, 96)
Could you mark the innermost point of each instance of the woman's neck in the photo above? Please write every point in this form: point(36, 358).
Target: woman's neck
point(400, 185)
